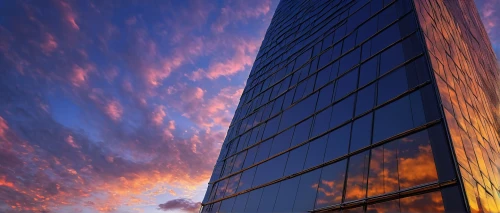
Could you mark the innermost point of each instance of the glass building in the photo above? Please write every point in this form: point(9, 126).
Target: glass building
point(365, 106)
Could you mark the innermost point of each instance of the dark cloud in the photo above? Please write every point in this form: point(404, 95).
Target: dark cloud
point(180, 204)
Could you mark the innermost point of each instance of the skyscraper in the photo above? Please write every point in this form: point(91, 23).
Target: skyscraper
point(365, 106)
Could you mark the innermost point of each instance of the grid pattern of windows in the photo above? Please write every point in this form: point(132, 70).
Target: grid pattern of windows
point(339, 113)
point(466, 74)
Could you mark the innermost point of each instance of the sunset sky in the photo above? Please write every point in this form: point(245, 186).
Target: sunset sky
point(122, 106)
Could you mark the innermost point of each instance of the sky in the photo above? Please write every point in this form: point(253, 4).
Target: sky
point(122, 106)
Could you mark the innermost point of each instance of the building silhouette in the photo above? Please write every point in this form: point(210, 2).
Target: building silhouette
point(365, 106)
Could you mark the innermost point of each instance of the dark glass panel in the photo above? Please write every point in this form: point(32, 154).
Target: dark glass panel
point(296, 160)
point(348, 44)
point(287, 193)
point(281, 142)
point(391, 206)
point(302, 131)
point(365, 99)
point(430, 202)
point(392, 119)
point(250, 158)
point(263, 151)
point(268, 198)
point(253, 201)
point(392, 85)
point(232, 184)
point(306, 193)
point(303, 58)
point(322, 121)
point(417, 108)
point(226, 205)
point(325, 96)
point(221, 188)
point(299, 111)
point(366, 30)
point(368, 71)
point(391, 58)
point(323, 77)
point(271, 127)
point(338, 142)
point(238, 163)
point(240, 202)
point(246, 179)
point(387, 16)
point(325, 58)
point(357, 175)
point(331, 184)
point(316, 152)
point(361, 133)
point(385, 38)
point(354, 210)
point(346, 84)
point(270, 170)
point(342, 111)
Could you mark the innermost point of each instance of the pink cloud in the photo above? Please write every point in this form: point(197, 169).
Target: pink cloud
point(49, 45)
point(158, 115)
point(180, 204)
point(171, 124)
point(114, 110)
point(490, 17)
point(131, 21)
point(243, 57)
point(79, 75)
point(3, 128)
point(241, 10)
point(69, 15)
point(71, 142)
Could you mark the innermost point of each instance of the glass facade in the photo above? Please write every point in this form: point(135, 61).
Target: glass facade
point(365, 106)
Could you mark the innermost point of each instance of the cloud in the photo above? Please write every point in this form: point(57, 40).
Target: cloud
point(158, 115)
point(236, 11)
point(69, 14)
point(186, 205)
point(114, 110)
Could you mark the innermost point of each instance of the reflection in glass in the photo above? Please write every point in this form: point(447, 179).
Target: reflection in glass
point(287, 192)
point(331, 184)
point(430, 202)
point(391, 206)
point(268, 198)
point(306, 193)
point(357, 177)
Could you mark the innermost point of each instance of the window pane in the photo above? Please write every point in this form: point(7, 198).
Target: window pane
point(325, 96)
point(354, 210)
point(239, 162)
point(270, 170)
point(392, 85)
point(232, 184)
point(331, 184)
point(368, 71)
point(249, 159)
point(365, 99)
point(316, 152)
point(338, 142)
point(268, 198)
point(253, 200)
point(430, 202)
point(226, 205)
point(391, 58)
point(240, 202)
point(296, 160)
point(357, 177)
point(263, 151)
point(350, 60)
point(287, 193)
point(391, 206)
point(361, 133)
point(306, 193)
point(298, 112)
point(392, 119)
point(271, 127)
point(415, 160)
point(342, 111)
point(246, 179)
point(301, 132)
point(282, 141)
point(346, 84)
point(322, 121)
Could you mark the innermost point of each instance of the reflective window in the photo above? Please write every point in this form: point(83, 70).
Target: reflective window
point(221, 189)
point(392, 85)
point(263, 151)
point(306, 193)
point(391, 58)
point(391, 206)
point(368, 71)
point(316, 152)
point(357, 175)
point(361, 133)
point(240, 202)
point(287, 193)
point(322, 121)
point(268, 198)
point(253, 200)
point(331, 184)
point(296, 160)
point(246, 179)
point(282, 141)
point(350, 59)
point(271, 127)
point(250, 158)
point(365, 99)
point(298, 112)
point(346, 84)
point(238, 163)
point(342, 111)
point(430, 202)
point(226, 205)
point(338, 142)
point(302, 131)
point(270, 170)
point(323, 77)
point(232, 184)
point(392, 119)
point(325, 96)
